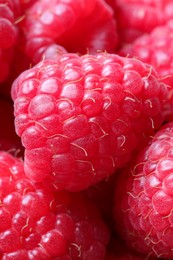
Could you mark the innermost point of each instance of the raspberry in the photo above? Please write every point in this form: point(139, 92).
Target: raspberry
point(71, 24)
point(144, 198)
point(156, 49)
point(135, 18)
point(35, 223)
point(82, 117)
point(9, 11)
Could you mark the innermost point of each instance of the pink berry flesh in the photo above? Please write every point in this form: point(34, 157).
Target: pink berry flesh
point(135, 18)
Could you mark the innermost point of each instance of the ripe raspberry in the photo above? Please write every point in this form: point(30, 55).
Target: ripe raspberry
point(144, 198)
point(37, 224)
point(80, 118)
point(9, 11)
point(71, 24)
point(135, 18)
point(156, 49)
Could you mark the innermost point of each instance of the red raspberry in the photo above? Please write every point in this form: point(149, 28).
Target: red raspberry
point(37, 224)
point(156, 49)
point(135, 18)
point(80, 118)
point(9, 11)
point(71, 24)
point(144, 198)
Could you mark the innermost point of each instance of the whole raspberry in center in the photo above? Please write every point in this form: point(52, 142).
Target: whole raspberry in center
point(82, 117)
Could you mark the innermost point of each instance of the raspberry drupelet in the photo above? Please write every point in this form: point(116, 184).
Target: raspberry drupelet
point(144, 198)
point(71, 25)
point(9, 12)
point(36, 223)
point(156, 49)
point(135, 18)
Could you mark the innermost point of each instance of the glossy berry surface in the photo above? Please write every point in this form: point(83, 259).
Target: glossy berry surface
point(69, 24)
point(144, 198)
point(156, 48)
point(82, 117)
point(86, 94)
point(135, 18)
point(38, 224)
point(9, 11)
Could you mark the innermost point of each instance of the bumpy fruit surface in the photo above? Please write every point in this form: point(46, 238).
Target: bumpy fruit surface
point(71, 24)
point(38, 224)
point(144, 198)
point(9, 12)
point(82, 117)
point(156, 49)
point(137, 17)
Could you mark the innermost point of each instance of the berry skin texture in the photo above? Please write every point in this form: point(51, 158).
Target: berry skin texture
point(72, 25)
point(35, 223)
point(135, 18)
point(156, 49)
point(9, 11)
point(82, 117)
point(144, 198)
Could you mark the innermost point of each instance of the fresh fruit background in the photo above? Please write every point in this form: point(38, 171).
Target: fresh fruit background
point(86, 134)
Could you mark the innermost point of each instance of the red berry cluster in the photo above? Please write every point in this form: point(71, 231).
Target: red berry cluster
point(86, 136)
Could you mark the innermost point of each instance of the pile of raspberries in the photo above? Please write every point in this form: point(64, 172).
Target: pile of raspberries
point(86, 129)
